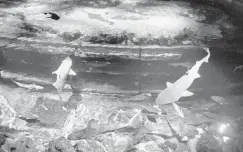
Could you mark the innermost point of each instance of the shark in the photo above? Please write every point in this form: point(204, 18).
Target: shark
point(178, 89)
point(28, 86)
point(62, 72)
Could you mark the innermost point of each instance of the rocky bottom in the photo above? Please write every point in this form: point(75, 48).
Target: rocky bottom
point(119, 124)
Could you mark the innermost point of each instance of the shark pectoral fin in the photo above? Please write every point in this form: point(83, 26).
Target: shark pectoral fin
point(168, 84)
point(187, 94)
point(55, 85)
point(55, 72)
point(71, 72)
point(197, 75)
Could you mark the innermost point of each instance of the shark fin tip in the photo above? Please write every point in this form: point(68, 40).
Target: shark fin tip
point(71, 72)
point(187, 94)
point(198, 75)
point(168, 84)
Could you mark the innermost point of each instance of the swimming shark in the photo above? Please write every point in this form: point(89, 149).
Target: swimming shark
point(29, 86)
point(62, 72)
point(175, 91)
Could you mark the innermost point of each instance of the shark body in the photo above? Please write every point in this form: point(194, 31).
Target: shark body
point(62, 72)
point(175, 91)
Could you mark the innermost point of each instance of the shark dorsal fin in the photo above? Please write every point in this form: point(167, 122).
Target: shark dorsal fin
point(168, 84)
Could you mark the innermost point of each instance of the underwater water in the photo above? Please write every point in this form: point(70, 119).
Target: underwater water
point(119, 70)
point(115, 81)
point(108, 75)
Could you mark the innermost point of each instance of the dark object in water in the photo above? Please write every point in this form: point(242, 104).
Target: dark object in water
point(73, 101)
point(60, 145)
point(53, 16)
point(73, 81)
point(93, 129)
point(208, 143)
point(23, 144)
point(78, 135)
point(131, 149)
point(86, 133)
point(76, 96)
point(2, 58)
point(168, 145)
point(31, 120)
point(35, 121)
point(2, 139)
point(5, 129)
point(128, 129)
point(146, 111)
point(152, 119)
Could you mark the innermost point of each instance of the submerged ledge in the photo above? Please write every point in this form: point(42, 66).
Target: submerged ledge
point(157, 23)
